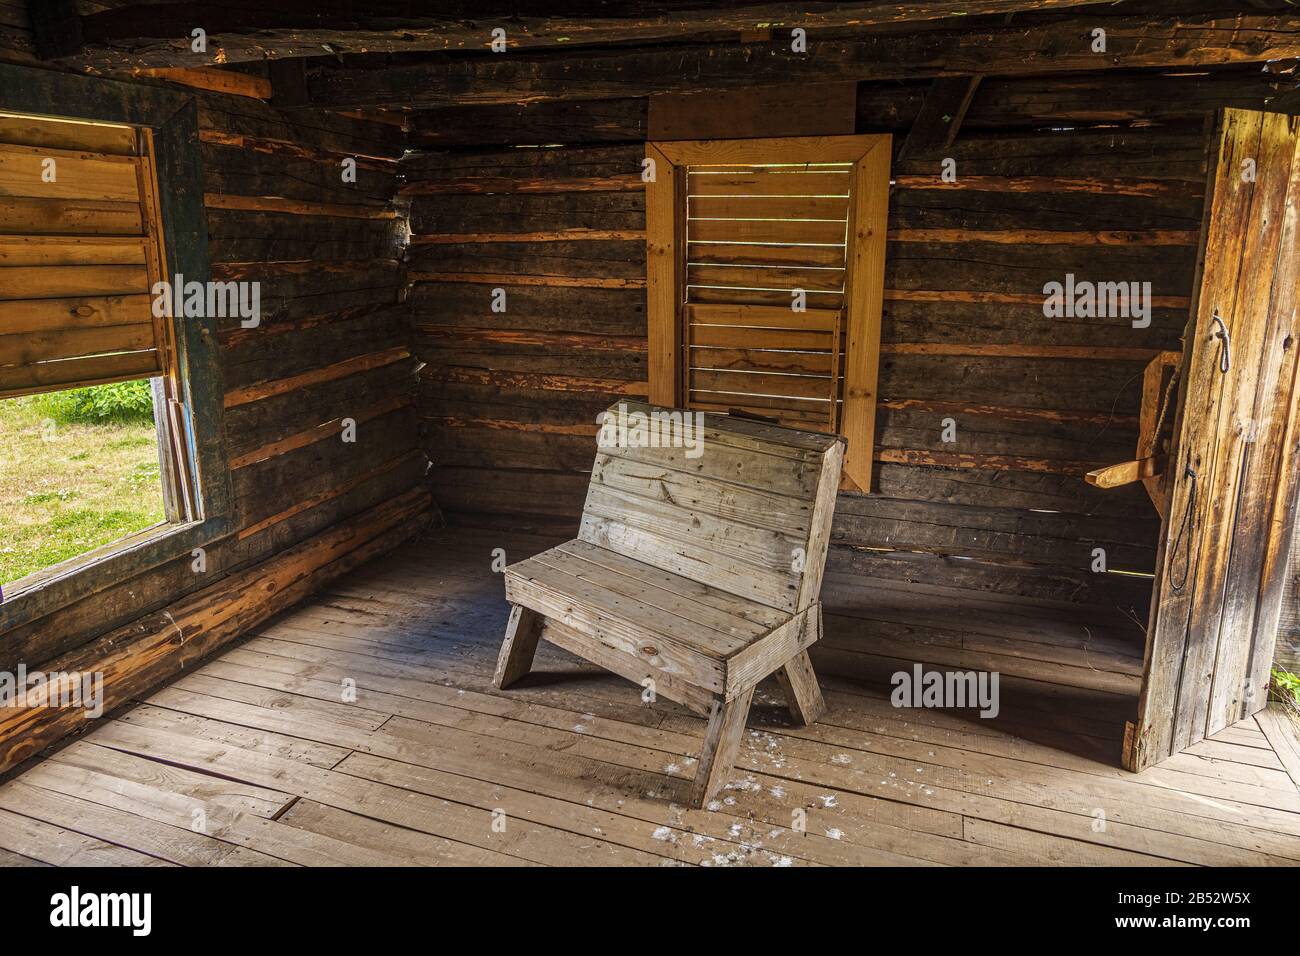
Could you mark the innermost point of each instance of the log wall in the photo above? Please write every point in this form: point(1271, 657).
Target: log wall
point(333, 343)
point(1054, 177)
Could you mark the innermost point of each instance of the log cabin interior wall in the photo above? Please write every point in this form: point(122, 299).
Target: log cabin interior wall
point(1099, 177)
point(332, 343)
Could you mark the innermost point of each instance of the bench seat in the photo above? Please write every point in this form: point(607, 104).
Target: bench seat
point(695, 573)
point(693, 640)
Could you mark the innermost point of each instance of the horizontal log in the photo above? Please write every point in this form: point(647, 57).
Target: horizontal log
point(257, 424)
point(452, 334)
point(1010, 412)
point(260, 390)
point(1024, 324)
point(317, 177)
point(250, 125)
point(501, 279)
point(329, 429)
point(1053, 184)
point(1007, 298)
point(543, 381)
point(1071, 100)
point(413, 462)
point(619, 312)
point(1010, 212)
point(605, 259)
point(1105, 237)
point(297, 207)
point(954, 459)
point(214, 81)
point(525, 212)
point(268, 486)
point(623, 182)
point(1048, 45)
point(140, 35)
point(1081, 352)
point(554, 235)
point(239, 235)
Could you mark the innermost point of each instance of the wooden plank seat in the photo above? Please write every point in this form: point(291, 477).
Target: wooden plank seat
point(694, 575)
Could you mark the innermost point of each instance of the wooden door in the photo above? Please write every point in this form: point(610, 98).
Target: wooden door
point(1224, 542)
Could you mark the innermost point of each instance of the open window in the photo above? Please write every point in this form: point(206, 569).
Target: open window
point(765, 265)
point(98, 208)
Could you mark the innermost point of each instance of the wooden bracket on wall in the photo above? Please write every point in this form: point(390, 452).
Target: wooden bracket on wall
point(942, 112)
point(1154, 421)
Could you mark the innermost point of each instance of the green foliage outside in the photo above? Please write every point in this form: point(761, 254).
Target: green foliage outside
point(1286, 687)
point(122, 402)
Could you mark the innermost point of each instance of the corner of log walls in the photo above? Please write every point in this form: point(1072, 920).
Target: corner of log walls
point(333, 343)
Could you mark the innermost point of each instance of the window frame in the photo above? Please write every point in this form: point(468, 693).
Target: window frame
point(870, 155)
point(194, 375)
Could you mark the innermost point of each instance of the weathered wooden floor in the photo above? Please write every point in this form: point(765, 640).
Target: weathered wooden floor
point(256, 757)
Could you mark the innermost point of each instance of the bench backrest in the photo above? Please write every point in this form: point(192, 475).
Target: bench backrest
point(736, 504)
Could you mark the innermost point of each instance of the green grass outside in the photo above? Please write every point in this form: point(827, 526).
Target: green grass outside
point(69, 486)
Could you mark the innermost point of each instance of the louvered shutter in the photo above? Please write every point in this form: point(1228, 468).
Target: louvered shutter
point(79, 254)
point(757, 235)
point(733, 228)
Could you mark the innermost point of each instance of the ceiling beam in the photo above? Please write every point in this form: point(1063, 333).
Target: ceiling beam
point(157, 34)
point(1054, 45)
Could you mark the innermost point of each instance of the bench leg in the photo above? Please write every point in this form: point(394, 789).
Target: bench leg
point(802, 695)
point(517, 650)
point(721, 746)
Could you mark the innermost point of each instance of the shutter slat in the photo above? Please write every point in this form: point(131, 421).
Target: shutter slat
point(757, 254)
point(71, 250)
point(69, 217)
point(57, 134)
point(815, 420)
point(28, 347)
point(764, 230)
point(728, 336)
point(762, 360)
point(769, 277)
point(41, 282)
point(812, 320)
point(758, 383)
point(48, 315)
point(816, 300)
point(768, 207)
point(77, 175)
point(768, 182)
point(72, 373)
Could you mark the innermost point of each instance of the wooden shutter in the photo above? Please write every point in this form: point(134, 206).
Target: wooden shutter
point(79, 254)
point(734, 229)
point(756, 234)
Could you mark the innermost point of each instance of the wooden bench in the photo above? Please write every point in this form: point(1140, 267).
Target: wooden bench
point(700, 574)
